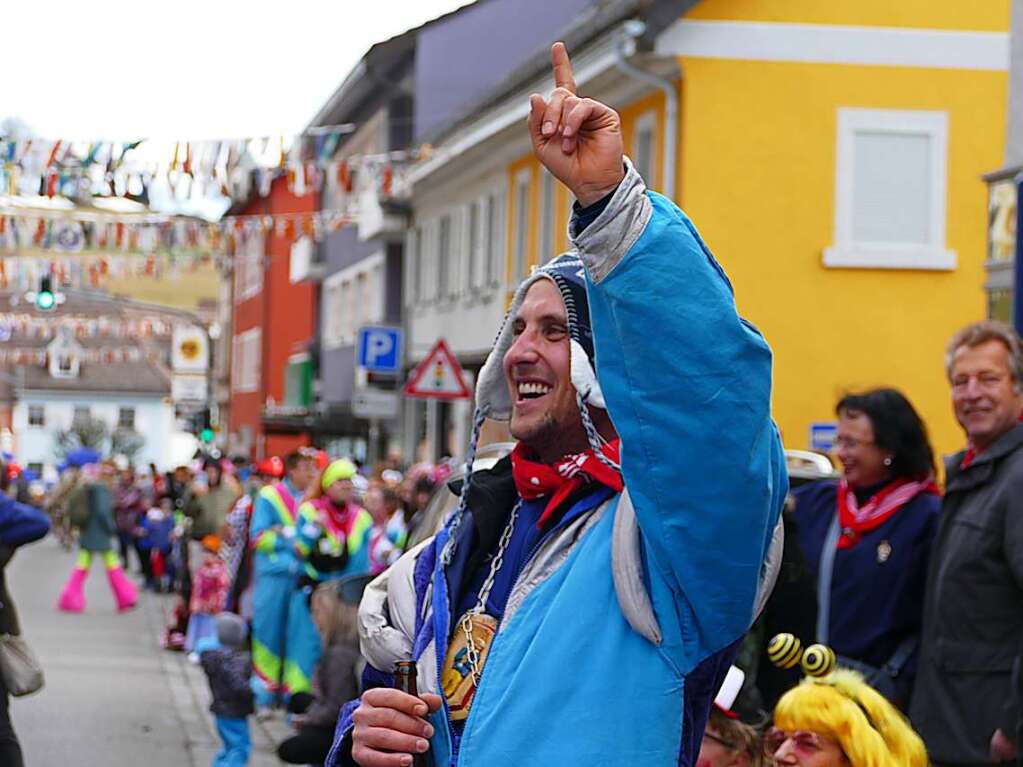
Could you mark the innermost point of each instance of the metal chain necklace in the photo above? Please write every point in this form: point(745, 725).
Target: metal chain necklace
point(470, 645)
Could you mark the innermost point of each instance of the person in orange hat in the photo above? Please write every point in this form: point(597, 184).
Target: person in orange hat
point(210, 586)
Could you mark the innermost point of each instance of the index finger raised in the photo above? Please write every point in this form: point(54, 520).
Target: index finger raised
point(562, 67)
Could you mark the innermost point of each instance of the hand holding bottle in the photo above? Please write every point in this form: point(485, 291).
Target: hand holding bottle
point(390, 727)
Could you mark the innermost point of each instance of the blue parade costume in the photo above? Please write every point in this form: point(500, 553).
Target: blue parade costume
point(282, 629)
point(621, 621)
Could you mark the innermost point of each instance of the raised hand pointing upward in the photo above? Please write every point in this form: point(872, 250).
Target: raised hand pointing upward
point(578, 140)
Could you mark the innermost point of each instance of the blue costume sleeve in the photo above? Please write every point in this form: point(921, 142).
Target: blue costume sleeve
point(20, 523)
point(688, 387)
point(262, 535)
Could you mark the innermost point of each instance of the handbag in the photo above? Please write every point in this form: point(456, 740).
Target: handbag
point(22, 674)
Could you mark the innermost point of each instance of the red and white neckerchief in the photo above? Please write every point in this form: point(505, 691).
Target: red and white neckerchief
point(338, 520)
point(856, 520)
point(559, 480)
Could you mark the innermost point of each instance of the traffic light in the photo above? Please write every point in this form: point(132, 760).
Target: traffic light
point(45, 298)
point(205, 426)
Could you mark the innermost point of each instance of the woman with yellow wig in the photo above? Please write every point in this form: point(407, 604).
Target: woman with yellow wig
point(840, 721)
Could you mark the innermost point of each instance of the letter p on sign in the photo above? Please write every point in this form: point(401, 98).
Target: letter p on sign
point(379, 349)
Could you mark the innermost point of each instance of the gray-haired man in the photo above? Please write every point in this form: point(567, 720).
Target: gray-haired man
point(966, 702)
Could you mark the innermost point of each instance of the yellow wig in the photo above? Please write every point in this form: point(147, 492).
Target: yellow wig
point(869, 729)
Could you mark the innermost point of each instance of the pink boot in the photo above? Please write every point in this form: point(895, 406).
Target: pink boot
point(72, 598)
point(124, 590)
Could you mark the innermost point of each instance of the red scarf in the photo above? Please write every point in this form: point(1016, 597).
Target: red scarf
point(338, 520)
point(536, 480)
point(855, 521)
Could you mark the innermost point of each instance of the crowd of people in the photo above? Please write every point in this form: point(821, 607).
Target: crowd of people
point(266, 564)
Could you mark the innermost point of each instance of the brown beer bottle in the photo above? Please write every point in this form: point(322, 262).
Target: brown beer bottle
point(405, 680)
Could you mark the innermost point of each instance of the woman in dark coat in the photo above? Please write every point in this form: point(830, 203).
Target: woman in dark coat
point(868, 538)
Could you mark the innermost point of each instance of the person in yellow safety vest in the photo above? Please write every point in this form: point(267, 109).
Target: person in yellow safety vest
point(334, 532)
point(283, 655)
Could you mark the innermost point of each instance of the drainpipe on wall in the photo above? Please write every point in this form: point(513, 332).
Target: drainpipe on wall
point(627, 47)
point(1017, 267)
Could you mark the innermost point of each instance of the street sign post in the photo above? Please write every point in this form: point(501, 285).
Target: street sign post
point(379, 349)
point(438, 376)
point(375, 403)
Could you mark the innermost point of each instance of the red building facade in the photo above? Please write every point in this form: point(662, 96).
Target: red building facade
point(273, 324)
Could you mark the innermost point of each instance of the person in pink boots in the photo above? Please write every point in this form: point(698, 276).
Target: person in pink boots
point(92, 511)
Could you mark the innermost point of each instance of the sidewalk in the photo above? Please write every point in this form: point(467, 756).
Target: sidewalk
point(113, 697)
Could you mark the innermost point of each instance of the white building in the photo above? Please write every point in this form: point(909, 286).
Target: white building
point(132, 396)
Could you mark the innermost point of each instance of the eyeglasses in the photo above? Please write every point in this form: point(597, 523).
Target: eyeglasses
point(720, 741)
point(805, 743)
point(848, 443)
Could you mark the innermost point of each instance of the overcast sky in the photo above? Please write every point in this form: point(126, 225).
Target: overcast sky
point(187, 69)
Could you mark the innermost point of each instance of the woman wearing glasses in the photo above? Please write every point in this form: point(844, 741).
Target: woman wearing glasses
point(840, 721)
point(867, 539)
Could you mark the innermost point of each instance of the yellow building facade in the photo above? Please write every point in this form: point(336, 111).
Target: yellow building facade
point(831, 155)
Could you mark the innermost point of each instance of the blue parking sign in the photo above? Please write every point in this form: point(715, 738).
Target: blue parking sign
point(379, 349)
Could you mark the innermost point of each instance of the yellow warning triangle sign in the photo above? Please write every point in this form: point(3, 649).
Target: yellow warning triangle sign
point(438, 376)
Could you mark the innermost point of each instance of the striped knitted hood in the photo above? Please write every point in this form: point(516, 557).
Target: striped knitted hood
point(567, 273)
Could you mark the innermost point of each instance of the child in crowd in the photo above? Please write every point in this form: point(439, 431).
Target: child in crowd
point(155, 536)
point(210, 586)
point(228, 667)
point(335, 608)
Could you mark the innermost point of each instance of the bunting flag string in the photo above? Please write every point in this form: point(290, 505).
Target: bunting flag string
point(36, 356)
point(32, 326)
point(22, 273)
point(233, 168)
point(24, 232)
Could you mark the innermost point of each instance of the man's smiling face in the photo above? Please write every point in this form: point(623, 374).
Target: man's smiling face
point(537, 368)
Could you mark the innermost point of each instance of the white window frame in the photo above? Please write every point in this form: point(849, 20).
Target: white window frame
point(121, 410)
point(246, 361)
point(846, 252)
point(42, 417)
point(496, 237)
point(646, 123)
point(414, 270)
point(331, 309)
point(355, 294)
point(447, 275)
point(520, 252)
point(474, 248)
point(248, 266)
point(429, 290)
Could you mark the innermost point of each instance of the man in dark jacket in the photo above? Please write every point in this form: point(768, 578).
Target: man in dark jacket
point(19, 524)
point(966, 704)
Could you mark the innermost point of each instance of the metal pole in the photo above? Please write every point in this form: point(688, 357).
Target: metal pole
point(627, 47)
